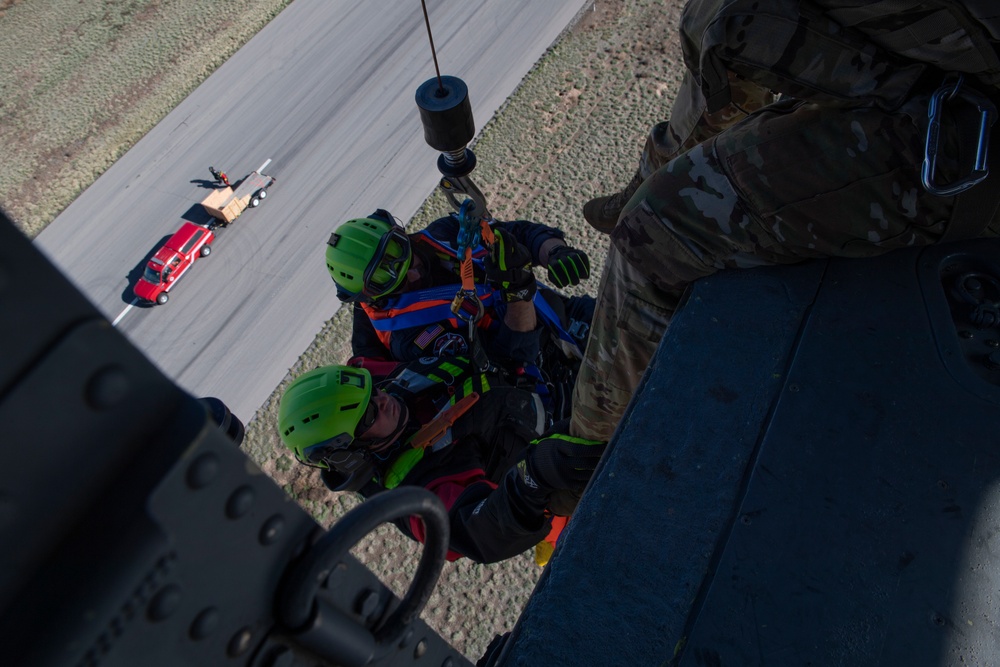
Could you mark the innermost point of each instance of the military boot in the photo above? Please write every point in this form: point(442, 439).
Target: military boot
point(602, 212)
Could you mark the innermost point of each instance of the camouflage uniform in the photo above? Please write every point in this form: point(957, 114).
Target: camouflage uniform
point(830, 170)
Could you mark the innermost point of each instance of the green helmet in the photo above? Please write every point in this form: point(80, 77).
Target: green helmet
point(368, 257)
point(320, 412)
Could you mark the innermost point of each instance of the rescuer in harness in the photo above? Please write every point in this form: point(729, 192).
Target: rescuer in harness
point(879, 140)
point(402, 285)
point(474, 439)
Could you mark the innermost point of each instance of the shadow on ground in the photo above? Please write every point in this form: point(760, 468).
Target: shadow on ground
point(205, 183)
point(198, 215)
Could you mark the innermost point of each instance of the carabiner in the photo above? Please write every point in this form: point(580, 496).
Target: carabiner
point(467, 306)
point(987, 116)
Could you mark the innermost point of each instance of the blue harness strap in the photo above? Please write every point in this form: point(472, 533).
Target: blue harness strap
point(420, 317)
point(551, 319)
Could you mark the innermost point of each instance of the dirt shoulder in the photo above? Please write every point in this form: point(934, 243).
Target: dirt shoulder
point(573, 129)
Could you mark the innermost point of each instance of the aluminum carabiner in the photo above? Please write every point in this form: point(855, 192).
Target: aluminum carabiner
point(987, 116)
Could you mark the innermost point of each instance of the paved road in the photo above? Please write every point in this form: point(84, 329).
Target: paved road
point(326, 92)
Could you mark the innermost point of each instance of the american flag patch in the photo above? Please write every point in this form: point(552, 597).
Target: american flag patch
point(427, 335)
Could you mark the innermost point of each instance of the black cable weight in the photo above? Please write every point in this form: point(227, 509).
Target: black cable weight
point(446, 113)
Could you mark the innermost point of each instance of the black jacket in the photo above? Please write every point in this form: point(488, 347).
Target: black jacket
point(413, 343)
point(493, 515)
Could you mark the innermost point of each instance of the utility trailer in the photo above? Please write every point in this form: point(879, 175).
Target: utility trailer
point(228, 203)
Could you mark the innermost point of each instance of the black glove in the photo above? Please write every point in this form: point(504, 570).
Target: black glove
point(568, 266)
point(508, 267)
point(561, 462)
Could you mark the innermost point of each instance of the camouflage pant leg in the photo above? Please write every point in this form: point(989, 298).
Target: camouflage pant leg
point(690, 123)
point(792, 182)
point(628, 323)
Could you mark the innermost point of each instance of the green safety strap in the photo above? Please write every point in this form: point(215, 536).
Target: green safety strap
point(402, 466)
point(568, 438)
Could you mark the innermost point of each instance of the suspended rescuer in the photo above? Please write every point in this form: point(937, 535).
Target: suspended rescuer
point(402, 286)
point(842, 164)
point(472, 438)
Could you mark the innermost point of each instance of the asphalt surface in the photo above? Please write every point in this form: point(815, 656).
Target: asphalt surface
point(326, 92)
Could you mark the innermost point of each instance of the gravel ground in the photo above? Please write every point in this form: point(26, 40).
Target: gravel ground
point(572, 130)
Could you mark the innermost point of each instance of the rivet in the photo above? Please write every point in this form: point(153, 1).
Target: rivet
point(992, 361)
point(240, 642)
point(106, 388)
point(204, 623)
point(240, 502)
point(164, 603)
point(272, 529)
point(202, 471)
point(420, 649)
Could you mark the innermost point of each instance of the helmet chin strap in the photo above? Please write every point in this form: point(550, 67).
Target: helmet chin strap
point(382, 444)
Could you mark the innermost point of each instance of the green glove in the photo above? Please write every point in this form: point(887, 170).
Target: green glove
point(568, 266)
point(508, 268)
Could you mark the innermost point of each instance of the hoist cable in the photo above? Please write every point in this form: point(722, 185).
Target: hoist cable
point(427, 20)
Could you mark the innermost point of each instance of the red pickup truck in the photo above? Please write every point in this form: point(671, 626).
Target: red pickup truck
point(171, 261)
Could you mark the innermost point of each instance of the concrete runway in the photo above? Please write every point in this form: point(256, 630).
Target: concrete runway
point(326, 92)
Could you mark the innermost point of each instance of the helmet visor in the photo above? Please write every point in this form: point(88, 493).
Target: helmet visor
point(387, 268)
